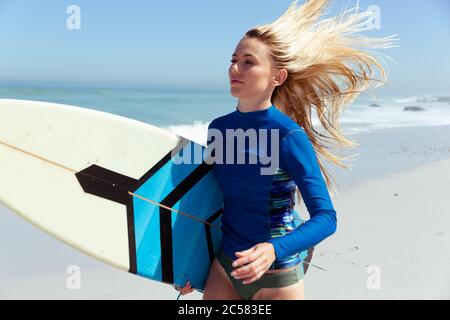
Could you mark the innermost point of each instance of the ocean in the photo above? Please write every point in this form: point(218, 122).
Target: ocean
point(188, 112)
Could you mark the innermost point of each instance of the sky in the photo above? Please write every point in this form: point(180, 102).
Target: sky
point(189, 43)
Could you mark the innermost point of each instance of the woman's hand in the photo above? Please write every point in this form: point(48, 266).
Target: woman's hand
point(186, 289)
point(254, 262)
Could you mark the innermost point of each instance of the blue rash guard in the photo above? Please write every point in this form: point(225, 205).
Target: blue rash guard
point(259, 207)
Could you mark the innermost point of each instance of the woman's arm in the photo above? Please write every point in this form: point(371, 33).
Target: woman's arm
point(298, 158)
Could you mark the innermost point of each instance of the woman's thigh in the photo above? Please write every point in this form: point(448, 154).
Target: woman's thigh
point(218, 285)
point(292, 292)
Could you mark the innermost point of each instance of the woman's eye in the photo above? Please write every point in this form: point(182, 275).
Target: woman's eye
point(247, 62)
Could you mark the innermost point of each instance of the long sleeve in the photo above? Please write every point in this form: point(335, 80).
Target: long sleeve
point(298, 158)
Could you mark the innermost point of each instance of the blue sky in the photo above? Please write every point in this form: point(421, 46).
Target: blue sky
point(189, 43)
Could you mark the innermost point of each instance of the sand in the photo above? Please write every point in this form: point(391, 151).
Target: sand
point(393, 216)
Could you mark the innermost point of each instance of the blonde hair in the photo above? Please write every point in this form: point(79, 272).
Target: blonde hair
point(324, 71)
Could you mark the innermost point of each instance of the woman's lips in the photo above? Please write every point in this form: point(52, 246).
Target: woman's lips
point(236, 81)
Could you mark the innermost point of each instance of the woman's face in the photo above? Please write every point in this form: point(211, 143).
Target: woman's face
point(252, 65)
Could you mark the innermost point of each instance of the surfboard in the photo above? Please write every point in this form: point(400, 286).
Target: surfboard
point(130, 194)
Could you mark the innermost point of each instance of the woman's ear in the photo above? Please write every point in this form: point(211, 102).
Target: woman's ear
point(280, 77)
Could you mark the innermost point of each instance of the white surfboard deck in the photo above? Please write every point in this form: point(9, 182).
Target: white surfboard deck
point(43, 144)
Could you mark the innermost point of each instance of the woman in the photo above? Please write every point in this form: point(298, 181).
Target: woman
point(279, 72)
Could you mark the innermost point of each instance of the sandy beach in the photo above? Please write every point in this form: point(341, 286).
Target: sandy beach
point(392, 241)
point(398, 224)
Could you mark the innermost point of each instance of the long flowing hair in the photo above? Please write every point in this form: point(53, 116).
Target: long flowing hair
point(327, 69)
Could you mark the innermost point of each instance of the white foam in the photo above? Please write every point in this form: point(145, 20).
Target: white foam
point(406, 100)
point(197, 132)
point(360, 117)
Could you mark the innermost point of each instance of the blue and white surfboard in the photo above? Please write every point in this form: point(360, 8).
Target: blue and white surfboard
point(112, 187)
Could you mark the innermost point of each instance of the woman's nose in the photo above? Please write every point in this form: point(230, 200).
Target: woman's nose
point(234, 70)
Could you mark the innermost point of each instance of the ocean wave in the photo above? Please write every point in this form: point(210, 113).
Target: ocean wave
point(430, 98)
point(406, 100)
point(197, 132)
